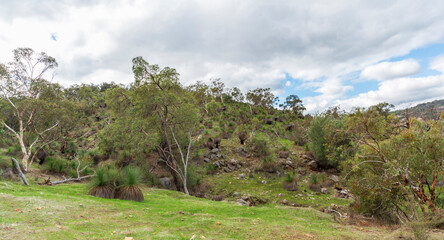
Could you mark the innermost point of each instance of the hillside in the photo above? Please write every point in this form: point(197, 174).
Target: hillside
point(429, 110)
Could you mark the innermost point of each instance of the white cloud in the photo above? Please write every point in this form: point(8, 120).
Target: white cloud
point(390, 70)
point(249, 44)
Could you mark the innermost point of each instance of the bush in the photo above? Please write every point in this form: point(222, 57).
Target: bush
point(259, 147)
point(128, 188)
point(103, 183)
point(56, 165)
point(317, 138)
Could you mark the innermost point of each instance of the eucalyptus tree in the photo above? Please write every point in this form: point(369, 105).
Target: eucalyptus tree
point(29, 113)
point(164, 112)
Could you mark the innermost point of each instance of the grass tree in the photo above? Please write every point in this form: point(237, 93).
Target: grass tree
point(103, 183)
point(129, 185)
point(25, 96)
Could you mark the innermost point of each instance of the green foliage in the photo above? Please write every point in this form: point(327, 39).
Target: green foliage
point(56, 165)
point(314, 179)
point(289, 177)
point(316, 134)
point(105, 176)
point(258, 147)
point(395, 163)
point(131, 176)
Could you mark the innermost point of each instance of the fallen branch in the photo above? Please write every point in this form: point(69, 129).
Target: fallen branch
point(20, 171)
point(71, 179)
point(78, 178)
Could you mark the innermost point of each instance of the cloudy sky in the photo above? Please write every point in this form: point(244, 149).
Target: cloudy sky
point(347, 53)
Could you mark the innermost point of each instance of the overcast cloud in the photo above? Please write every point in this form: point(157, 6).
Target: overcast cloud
point(248, 44)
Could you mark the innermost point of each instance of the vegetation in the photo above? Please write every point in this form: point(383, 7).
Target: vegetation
point(216, 143)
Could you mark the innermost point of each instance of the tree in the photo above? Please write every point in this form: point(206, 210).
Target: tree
point(171, 108)
point(395, 169)
point(217, 88)
point(261, 97)
point(236, 94)
point(24, 89)
point(294, 104)
point(316, 133)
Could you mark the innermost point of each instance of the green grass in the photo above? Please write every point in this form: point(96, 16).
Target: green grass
point(228, 184)
point(68, 213)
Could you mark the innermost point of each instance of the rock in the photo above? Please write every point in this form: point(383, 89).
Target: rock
point(269, 121)
point(244, 197)
point(233, 161)
point(165, 182)
point(129, 238)
point(289, 163)
point(242, 202)
point(343, 194)
point(226, 169)
point(241, 151)
point(334, 178)
point(328, 183)
point(242, 176)
point(328, 199)
point(280, 195)
point(207, 160)
point(219, 155)
point(231, 167)
point(217, 164)
point(264, 182)
point(285, 202)
point(214, 150)
point(293, 153)
point(235, 194)
point(285, 154)
point(324, 190)
point(312, 165)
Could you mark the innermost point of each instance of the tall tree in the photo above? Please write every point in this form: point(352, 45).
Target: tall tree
point(294, 104)
point(24, 88)
point(159, 97)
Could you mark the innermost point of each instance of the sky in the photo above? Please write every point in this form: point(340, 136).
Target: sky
point(329, 53)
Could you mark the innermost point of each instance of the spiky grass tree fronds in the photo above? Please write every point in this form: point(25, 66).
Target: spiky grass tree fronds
point(129, 188)
point(102, 185)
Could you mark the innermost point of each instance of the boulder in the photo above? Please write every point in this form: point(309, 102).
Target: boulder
point(242, 176)
point(284, 154)
point(334, 178)
point(269, 121)
point(165, 182)
point(214, 150)
point(328, 183)
point(207, 160)
point(324, 190)
point(241, 151)
point(312, 165)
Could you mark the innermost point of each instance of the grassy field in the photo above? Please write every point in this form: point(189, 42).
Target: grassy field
point(66, 212)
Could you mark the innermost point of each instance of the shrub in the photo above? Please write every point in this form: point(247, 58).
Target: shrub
point(103, 183)
point(128, 188)
point(317, 137)
point(259, 147)
point(56, 165)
